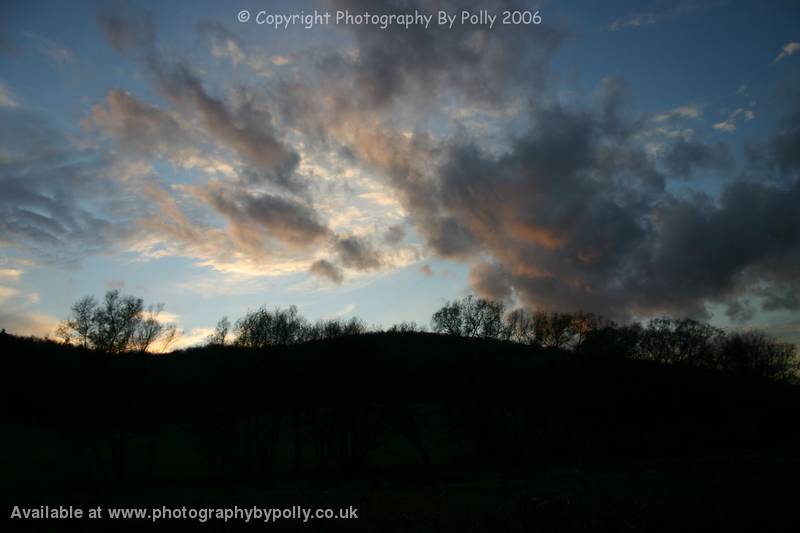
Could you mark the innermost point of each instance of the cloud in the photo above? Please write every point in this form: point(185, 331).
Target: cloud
point(57, 200)
point(475, 63)
point(574, 214)
point(638, 20)
point(10, 273)
point(253, 216)
point(394, 235)
point(22, 322)
point(786, 331)
point(140, 128)
point(7, 98)
point(344, 311)
point(193, 337)
point(357, 253)
point(8, 293)
point(491, 282)
point(242, 125)
point(279, 60)
point(685, 156)
point(682, 112)
point(57, 53)
point(129, 31)
point(222, 42)
point(787, 50)
point(729, 125)
point(327, 270)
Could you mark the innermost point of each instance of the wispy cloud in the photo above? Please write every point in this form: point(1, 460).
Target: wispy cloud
point(737, 115)
point(7, 98)
point(787, 50)
point(344, 311)
point(638, 20)
point(54, 51)
point(684, 111)
point(10, 273)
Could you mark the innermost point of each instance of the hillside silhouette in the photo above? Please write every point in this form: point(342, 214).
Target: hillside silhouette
point(402, 423)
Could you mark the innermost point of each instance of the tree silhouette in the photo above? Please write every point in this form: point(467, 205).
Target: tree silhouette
point(471, 317)
point(221, 331)
point(119, 324)
point(753, 353)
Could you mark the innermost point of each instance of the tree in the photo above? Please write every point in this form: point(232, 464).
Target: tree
point(553, 329)
point(150, 330)
point(753, 353)
point(263, 327)
point(448, 319)
point(612, 341)
point(119, 324)
point(79, 327)
point(220, 335)
point(683, 341)
point(405, 327)
point(471, 317)
point(520, 326)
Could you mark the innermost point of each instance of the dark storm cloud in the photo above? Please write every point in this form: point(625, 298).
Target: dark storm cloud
point(246, 127)
point(243, 125)
point(481, 64)
point(570, 220)
point(394, 235)
point(699, 250)
point(357, 253)
point(327, 270)
point(557, 225)
point(575, 212)
point(254, 216)
point(686, 156)
point(784, 146)
point(491, 282)
point(570, 212)
point(782, 298)
point(778, 156)
point(58, 200)
point(129, 32)
point(740, 311)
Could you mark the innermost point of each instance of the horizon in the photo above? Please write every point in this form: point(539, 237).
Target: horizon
point(631, 162)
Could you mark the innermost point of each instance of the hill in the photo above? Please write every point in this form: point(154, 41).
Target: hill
point(395, 411)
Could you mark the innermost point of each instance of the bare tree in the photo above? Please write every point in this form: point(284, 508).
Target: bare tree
point(263, 327)
point(405, 327)
point(118, 324)
point(448, 319)
point(471, 317)
point(553, 329)
point(150, 329)
point(683, 341)
point(754, 353)
point(221, 331)
point(79, 327)
point(520, 326)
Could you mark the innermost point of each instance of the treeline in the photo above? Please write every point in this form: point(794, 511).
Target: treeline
point(665, 340)
point(122, 323)
point(281, 327)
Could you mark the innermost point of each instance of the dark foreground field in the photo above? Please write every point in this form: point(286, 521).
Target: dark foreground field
point(419, 432)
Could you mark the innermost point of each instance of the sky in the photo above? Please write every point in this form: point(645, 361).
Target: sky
point(631, 159)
